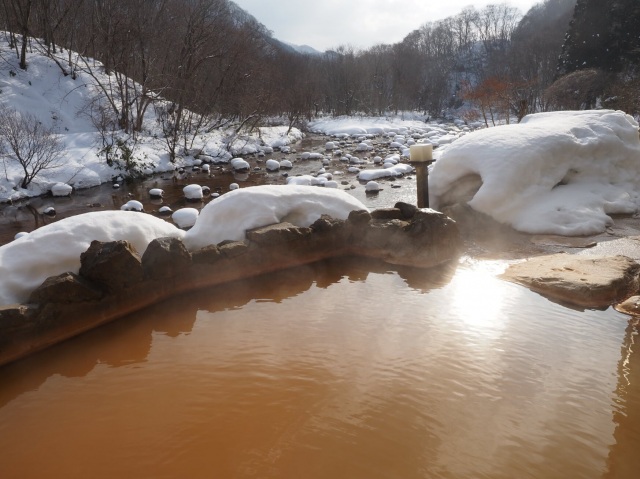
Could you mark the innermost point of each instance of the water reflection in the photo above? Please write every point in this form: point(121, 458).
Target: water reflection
point(623, 460)
point(341, 369)
point(128, 341)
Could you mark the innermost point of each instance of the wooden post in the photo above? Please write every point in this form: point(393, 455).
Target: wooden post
point(421, 156)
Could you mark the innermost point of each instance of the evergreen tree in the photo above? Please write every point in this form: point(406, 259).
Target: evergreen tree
point(602, 35)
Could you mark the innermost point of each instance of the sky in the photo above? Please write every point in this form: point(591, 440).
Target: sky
point(361, 24)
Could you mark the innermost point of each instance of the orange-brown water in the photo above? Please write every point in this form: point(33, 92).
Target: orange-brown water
point(340, 370)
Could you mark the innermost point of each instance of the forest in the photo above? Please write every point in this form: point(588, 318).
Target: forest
point(204, 64)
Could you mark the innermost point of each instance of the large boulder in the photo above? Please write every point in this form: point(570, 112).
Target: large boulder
point(165, 258)
point(427, 239)
point(115, 265)
point(65, 288)
point(585, 281)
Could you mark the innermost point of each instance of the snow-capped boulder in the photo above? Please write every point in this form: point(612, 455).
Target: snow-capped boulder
point(132, 205)
point(238, 164)
point(193, 192)
point(185, 217)
point(61, 189)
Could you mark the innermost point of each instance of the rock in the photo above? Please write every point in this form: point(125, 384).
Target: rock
point(14, 316)
point(630, 306)
point(359, 217)
point(115, 265)
point(233, 249)
point(326, 224)
point(207, 255)
point(585, 281)
point(408, 210)
point(429, 239)
point(65, 288)
point(387, 214)
point(278, 233)
point(165, 258)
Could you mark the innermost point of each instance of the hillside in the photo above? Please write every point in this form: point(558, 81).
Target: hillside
point(69, 108)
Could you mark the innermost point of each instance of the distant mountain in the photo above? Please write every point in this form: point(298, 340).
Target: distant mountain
point(304, 49)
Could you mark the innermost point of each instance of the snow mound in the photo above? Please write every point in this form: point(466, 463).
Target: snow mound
point(56, 248)
point(228, 217)
point(554, 173)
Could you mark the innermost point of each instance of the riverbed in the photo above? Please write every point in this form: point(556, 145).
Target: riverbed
point(29, 214)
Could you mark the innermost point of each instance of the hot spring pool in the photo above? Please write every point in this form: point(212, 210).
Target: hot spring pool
point(345, 369)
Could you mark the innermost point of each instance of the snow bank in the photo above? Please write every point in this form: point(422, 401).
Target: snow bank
point(555, 173)
point(228, 217)
point(56, 248)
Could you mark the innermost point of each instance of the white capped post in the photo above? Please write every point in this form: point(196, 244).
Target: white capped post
point(420, 156)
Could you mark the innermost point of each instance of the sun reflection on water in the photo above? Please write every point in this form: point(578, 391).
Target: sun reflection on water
point(479, 297)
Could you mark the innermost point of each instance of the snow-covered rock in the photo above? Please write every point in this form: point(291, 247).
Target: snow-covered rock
point(193, 192)
point(185, 217)
point(56, 248)
point(132, 205)
point(372, 187)
point(556, 173)
point(392, 171)
point(61, 189)
point(238, 164)
point(231, 215)
point(272, 165)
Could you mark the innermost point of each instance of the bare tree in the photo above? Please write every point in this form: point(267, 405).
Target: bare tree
point(27, 141)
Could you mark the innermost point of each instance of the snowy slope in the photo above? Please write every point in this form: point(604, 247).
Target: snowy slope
point(62, 102)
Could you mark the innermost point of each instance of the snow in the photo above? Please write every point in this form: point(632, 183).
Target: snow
point(372, 186)
point(394, 170)
point(239, 164)
point(61, 189)
point(62, 103)
point(228, 217)
point(554, 173)
point(132, 205)
point(185, 217)
point(193, 192)
point(56, 248)
point(272, 165)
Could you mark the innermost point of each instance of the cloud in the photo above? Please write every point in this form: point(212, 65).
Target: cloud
point(359, 23)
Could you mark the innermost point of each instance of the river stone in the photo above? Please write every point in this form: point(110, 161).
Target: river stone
point(115, 265)
point(165, 258)
point(65, 288)
point(585, 281)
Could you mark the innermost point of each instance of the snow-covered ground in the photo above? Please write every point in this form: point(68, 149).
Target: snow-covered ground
point(63, 103)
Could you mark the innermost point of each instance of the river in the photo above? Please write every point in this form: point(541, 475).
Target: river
point(28, 214)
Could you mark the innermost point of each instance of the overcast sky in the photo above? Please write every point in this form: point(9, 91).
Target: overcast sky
point(324, 24)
